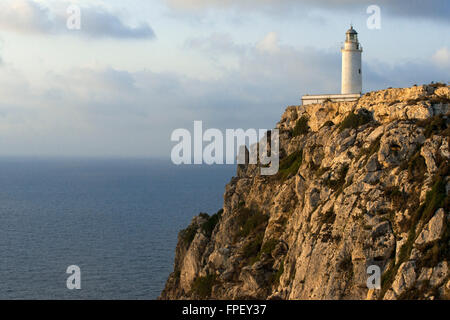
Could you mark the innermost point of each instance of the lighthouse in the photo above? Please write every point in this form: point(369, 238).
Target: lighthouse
point(351, 64)
point(351, 82)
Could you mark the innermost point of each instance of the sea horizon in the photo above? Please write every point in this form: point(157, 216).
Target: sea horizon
point(117, 219)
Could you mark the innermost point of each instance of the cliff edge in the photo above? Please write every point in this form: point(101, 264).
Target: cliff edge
point(360, 183)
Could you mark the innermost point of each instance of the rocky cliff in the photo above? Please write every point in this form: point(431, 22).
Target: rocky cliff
point(360, 183)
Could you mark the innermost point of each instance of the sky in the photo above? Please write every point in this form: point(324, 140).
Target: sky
point(138, 69)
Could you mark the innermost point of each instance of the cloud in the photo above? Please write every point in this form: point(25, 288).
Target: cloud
point(269, 43)
point(25, 16)
point(216, 43)
point(111, 112)
point(442, 58)
point(406, 8)
point(28, 16)
point(97, 23)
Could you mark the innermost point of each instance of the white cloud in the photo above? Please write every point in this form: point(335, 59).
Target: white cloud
point(418, 8)
point(25, 16)
point(442, 58)
point(269, 43)
point(29, 16)
point(93, 111)
point(216, 43)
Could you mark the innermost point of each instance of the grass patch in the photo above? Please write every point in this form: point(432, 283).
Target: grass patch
point(355, 120)
point(188, 234)
point(210, 224)
point(436, 198)
point(372, 149)
point(397, 197)
point(437, 84)
point(290, 165)
point(328, 217)
point(434, 125)
point(346, 264)
point(328, 124)
point(431, 255)
point(319, 172)
point(268, 246)
point(251, 222)
point(251, 250)
point(301, 127)
point(416, 167)
point(202, 286)
point(338, 184)
point(423, 289)
point(277, 275)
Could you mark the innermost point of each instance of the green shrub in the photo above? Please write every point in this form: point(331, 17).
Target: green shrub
point(203, 215)
point(371, 150)
point(319, 172)
point(435, 125)
point(276, 277)
point(269, 246)
point(290, 165)
point(397, 197)
point(188, 234)
point(301, 127)
point(346, 264)
point(420, 290)
point(417, 168)
point(202, 286)
point(328, 123)
point(251, 249)
point(374, 147)
point(210, 224)
point(328, 217)
point(355, 120)
point(437, 84)
point(251, 221)
point(436, 198)
point(431, 255)
point(338, 185)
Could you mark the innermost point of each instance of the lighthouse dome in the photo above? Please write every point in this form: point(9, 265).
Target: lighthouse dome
point(351, 31)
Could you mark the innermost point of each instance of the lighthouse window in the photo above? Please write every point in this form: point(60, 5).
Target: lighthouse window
point(359, 71)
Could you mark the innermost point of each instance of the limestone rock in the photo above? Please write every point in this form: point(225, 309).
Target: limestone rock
point(405, 279)
point(350, 201)
point(439, 274)
point(433, 230)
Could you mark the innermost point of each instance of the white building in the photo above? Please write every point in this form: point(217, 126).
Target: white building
point(351, 64)
point(351, 82)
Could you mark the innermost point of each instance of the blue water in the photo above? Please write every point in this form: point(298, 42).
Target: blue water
point(117, 220)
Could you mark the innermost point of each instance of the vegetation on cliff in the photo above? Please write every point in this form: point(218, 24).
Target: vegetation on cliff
point(360, 184)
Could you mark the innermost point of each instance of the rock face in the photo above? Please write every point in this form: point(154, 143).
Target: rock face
point(360, 184)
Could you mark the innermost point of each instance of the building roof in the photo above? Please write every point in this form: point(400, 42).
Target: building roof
point(351, 31)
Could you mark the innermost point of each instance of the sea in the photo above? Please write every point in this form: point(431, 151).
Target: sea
point(117, 220)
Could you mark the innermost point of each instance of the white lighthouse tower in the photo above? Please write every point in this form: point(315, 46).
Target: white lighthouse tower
point(351, 89)
point(351, 64)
